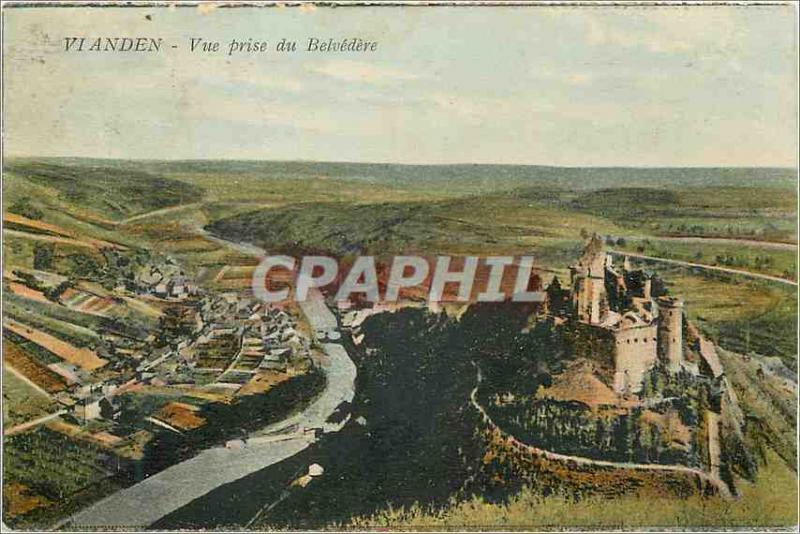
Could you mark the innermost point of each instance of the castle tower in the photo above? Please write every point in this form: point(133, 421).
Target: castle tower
point(647, 288)
point(588, 283)
point(670, 332)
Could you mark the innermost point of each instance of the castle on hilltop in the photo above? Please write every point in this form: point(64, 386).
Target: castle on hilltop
point(620, 302)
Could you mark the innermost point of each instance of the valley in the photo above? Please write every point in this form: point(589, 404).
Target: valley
point(130, 330)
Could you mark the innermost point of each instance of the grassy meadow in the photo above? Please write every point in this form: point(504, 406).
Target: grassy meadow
point(747, 256)
point(769, 502)
point(21, 402)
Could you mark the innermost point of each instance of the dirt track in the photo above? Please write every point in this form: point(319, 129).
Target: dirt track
point(706, 267)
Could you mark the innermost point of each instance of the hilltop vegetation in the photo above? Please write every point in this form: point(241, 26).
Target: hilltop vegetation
point(472, 224)
point(480, 178)
point(109, 190)
point(452, 178)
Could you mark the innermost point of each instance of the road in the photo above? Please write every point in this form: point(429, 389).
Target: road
point(721, 241)
point(49, 238)
point(162, 211)
point(146, 502)
point(33, 423)
point(244, 248)
point(706, 267)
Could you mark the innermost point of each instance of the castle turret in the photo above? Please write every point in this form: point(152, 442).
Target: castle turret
point(588, 283)
point(670, 332)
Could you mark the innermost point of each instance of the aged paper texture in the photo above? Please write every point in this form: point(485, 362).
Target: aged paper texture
point(443, 266)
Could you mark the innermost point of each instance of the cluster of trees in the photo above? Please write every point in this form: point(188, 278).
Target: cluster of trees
point(111, 268)
point(730, 260)
point(43, 256)
point(52, 464)
point(22, 206)
point(115, 268)
point(570, 427)
point(620, 241)
point(728, 230)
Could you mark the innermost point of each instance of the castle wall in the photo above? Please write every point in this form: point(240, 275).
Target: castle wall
point(590, 299)
point(714, 449)
point(595, 344)
point(635, 352)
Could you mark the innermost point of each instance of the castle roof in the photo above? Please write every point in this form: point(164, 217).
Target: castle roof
point(593, 248)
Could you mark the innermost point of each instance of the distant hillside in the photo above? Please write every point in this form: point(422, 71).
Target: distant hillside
point(478, 224)
point(341, 229)
point(468, 178)
point(764, 213)
point(106, 188)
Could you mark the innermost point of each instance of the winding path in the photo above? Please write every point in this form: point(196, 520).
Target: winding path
point(582, 460)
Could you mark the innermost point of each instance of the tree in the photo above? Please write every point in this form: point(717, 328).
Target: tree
point(43, 256)
point(55, 292)
point(82, 265)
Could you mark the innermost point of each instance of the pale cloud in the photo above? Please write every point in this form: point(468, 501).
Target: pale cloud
point(578, 78)
point(360, 71)
point(563, 86)
point(267, 114)
point(660, 30)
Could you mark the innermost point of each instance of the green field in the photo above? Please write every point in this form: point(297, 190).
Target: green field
point(21, 402)
point(749, 257)
point(738, 210)
point(770, 502)
point(472, 225)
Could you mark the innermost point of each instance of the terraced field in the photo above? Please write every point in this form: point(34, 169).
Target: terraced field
point(81, 357)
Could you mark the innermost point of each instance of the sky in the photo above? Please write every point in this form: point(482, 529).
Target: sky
point(568, 86)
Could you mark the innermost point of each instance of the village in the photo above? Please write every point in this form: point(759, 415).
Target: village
point(162, 349)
